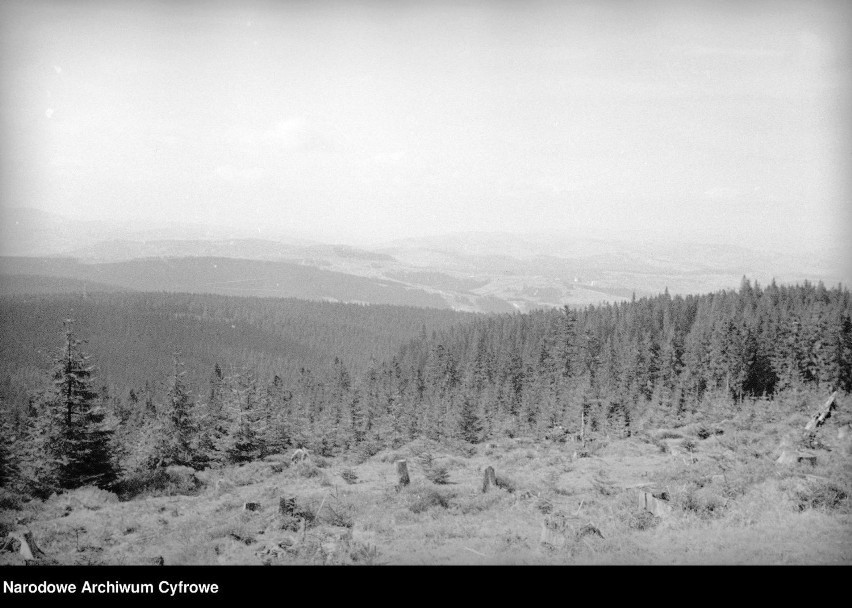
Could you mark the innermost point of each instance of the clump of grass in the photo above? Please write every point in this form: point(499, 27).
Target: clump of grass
point(820, 494)
point(10, 501)
point(307, 469)
point(704, 502)
point(320, 461)
point(669, 435)
point(477, 503)
point(365, 554)
point(663, 447)
point(688, 444)
point(642, 520)
point(340, 516)
point(349, 476)
point(325, 481)
point(426, 497)
point(438, 474)
point(171, 481)
point(506, 483)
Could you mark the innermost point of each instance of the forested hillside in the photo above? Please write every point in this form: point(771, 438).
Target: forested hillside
point(132, 337)
point(599, 371)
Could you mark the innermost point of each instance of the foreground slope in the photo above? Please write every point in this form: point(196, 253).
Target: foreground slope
point(728, 503)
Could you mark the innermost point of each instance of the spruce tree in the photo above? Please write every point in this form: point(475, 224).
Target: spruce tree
point(177, 432)
point(79, 444)
point(470, 425)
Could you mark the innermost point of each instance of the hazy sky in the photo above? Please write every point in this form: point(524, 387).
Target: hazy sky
point(355, 121)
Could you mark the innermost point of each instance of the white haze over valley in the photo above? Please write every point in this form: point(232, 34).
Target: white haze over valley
point(541, 154)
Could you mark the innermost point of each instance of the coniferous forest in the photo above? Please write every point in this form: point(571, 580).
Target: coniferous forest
point(601, 371)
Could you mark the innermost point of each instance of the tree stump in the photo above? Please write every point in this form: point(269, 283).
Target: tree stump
point(402, 474)
point(28, 548)
point(490, 478)
point(287, 506)
point(656, 504)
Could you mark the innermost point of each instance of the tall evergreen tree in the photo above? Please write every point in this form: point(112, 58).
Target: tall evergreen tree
point(177, 428)
point(79, 444)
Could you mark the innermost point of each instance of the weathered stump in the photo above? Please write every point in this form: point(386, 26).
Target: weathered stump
point(402, 474)
point(656, 504)
point(489, 479)
point(28, 548)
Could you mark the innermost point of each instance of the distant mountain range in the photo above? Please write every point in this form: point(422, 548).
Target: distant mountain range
point(480, 272)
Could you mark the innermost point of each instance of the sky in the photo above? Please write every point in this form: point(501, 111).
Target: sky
point(362, 122)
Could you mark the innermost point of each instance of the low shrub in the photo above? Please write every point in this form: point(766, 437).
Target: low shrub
point(320, 461)
point(669, 435)
point(506, 483)
point(438, 475)
point(306, 469)
point(476, 503)
point(340, 515)
point(642, 520)
point(820, 494)
point(10, 501)
point(704, 502)
point(170, 481)
point(424, 498)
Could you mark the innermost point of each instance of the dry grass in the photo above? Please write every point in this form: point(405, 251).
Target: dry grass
point(730, 504)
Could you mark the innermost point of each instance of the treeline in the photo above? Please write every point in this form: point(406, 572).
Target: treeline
point(605, 369)
point(132, 336)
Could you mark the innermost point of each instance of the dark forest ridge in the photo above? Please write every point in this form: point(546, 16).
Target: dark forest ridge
point(132, 336)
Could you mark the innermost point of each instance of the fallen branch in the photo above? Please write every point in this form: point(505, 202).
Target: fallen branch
point(823, 414)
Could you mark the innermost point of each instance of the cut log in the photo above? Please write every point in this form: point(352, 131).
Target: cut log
point(28, 548)
point(402, 474)
point(791, 457)
point(489, 479)
point(810, 459)
point(823, 414)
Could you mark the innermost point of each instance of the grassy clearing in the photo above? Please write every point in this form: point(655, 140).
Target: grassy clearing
point(730, 503)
